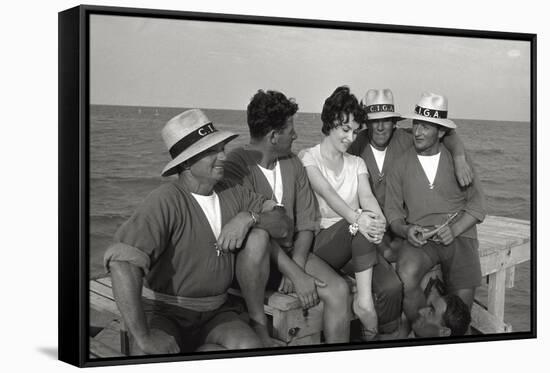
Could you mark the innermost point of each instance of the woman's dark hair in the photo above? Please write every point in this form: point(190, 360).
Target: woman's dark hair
point(269, 111)
point(338, 107)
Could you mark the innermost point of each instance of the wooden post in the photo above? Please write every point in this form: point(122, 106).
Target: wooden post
point(510, 277)
point(496, 294)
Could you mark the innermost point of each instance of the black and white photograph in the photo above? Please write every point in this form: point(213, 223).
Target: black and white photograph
point(270, 186)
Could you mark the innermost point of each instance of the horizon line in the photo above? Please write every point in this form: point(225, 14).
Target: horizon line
point(299, 111)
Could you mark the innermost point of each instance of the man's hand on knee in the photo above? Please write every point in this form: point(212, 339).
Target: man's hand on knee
point(306, 290)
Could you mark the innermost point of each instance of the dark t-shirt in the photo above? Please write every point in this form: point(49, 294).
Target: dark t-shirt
point(170, 238)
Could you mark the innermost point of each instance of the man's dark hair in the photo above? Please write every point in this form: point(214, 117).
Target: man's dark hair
point(338, 107)
point(269, 111)
point(457, 315)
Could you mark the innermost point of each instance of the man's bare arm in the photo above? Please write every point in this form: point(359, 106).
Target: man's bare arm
point(463, 172)
point(127, 285)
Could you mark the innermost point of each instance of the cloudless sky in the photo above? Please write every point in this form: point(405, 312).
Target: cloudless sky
point(178, 63)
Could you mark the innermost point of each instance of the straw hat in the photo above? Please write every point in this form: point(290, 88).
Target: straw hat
point(432, 108)
point(378, 104)
point(189, 134)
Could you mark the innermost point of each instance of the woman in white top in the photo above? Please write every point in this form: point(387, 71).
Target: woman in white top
point(352, 222)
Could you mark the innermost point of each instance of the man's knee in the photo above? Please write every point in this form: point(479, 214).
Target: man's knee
point(336, 292)
point(410, 268)
point(410, 273)
point(256, 247)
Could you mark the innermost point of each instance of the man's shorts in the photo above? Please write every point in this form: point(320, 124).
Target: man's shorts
point(190, 328)
point(459, 262)
point(336, 246)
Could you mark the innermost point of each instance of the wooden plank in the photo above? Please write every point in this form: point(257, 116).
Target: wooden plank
point(486, 323)
point(105, 281)
point(110, 336)
point(505, 259)
point(102, 290)
point(292, 324)
point(510, 277)
point(492, 220)
point(102, 304)
point(313, 339)
point(283, 302)
point(496, 294)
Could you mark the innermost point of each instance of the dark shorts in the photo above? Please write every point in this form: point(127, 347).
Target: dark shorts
point(336, 246)
point(190, 328)
point(459, 262)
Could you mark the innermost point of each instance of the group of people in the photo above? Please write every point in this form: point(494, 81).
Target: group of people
point(373, 201)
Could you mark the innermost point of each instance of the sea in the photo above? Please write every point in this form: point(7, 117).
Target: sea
point(127, 156)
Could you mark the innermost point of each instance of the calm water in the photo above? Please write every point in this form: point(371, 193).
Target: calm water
point(127, 155)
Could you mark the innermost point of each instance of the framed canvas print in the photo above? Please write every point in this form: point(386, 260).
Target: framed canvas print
point(234, 186)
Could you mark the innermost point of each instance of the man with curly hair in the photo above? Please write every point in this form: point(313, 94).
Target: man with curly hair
point(268, 167)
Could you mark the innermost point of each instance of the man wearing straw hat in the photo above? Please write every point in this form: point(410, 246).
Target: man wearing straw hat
point(433, 213)
point(383, 143)
point(172, 262)
point(267, 166)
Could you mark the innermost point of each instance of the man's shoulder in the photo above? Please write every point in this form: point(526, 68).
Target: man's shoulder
point(403, 161)
point(291, 159)
point(165, 190)
point(165, 196)
point(242, 157)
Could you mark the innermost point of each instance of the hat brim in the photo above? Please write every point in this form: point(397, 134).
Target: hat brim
point(384, 115)
point(203, 144)
point(442, 122)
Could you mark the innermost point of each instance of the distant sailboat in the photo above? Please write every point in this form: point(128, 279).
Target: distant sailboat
point(139, 111)
point(157, 112)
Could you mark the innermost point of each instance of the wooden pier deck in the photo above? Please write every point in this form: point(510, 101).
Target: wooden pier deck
point(503, 243)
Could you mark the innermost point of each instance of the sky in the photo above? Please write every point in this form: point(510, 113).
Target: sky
point(180, 63)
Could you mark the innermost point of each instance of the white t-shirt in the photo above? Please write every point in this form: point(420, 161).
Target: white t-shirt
point(379, 156)
point(275, 181)
point(346, 183)
point(211, 207)
point(429, 164)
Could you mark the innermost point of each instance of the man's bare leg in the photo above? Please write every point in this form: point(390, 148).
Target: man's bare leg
point(412, 265)
point(336, 299)
point(252, 272)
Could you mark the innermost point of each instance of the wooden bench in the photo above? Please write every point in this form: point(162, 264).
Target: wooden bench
point(504, 243)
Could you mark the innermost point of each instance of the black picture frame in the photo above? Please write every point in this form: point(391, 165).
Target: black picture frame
point(74, 179)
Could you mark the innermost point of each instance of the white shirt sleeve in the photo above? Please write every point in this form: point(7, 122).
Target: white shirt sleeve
point(307, 158)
